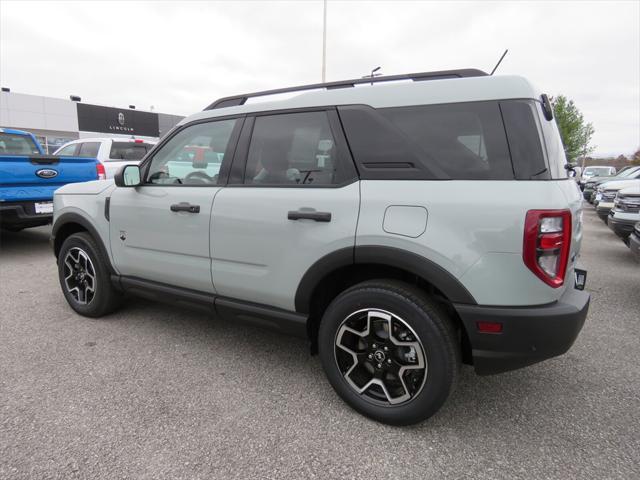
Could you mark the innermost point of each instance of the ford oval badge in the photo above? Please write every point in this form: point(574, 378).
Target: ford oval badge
point(47, 173)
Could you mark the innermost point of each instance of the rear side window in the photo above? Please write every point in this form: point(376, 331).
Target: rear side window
point(89, 149)
point(128, 150)
point(11, 144)
point(292, 149)
point(523, 134)
point(553, 142)
point(461, 141)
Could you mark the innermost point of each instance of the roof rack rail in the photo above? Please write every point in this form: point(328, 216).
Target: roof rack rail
point(416, 77)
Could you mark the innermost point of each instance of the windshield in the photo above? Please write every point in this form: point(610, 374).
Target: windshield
point(628, 172)
point(128, 150)
point(597, 171)
point(12, 144)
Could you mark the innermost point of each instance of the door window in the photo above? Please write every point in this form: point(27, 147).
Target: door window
point(292, 149)
point(89, 149)
point(69, 150)
point(193, 156)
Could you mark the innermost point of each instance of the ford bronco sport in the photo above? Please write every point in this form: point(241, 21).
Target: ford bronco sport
point(402, 227)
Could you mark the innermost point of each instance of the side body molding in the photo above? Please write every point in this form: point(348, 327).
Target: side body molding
point(385, 256)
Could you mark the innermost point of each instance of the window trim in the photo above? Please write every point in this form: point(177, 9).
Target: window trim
point(232, 145)
point(347, 168)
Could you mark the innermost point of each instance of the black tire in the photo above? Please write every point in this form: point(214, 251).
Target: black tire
point(105, 298)
point(429, 323)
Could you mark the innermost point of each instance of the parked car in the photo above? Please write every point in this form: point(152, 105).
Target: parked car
point(112, 153)
point(625, 212)
point(595, 171)
point(607, 192)
point(591, 186)
point(28, 179)
point(368, 220)
point(634, 241)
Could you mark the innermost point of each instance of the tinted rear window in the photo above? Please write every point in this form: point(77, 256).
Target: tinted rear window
point(462, 141)
point(523, 134)
point(11, 144)
point(128, 150)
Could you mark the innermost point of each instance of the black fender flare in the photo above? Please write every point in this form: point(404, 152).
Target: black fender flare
point(410, 262)
point(71, 217)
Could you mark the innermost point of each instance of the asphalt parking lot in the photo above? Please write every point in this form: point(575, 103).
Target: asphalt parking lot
point(157, 392)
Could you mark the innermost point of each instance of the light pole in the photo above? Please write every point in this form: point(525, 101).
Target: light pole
point(324, 42)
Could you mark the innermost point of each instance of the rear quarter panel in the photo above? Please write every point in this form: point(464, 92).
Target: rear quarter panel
point(474, 230)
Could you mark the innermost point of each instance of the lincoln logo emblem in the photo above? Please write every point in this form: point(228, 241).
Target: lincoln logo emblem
point(121, 119)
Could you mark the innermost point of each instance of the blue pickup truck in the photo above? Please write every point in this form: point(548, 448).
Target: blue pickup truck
point(28, 179)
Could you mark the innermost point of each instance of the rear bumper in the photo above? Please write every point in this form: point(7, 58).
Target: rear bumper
point(22, 215)
point(529, 334)
point(621, 227)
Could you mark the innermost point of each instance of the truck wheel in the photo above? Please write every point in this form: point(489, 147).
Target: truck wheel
point(389, 351)
point(84, 277)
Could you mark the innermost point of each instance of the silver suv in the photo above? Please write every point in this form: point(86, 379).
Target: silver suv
point(403, 228)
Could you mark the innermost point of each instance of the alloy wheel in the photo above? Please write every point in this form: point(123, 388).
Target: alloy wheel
point(380, 357)
point(79, 276)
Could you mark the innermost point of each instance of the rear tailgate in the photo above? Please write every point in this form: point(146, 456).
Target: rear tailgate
point(37, 177)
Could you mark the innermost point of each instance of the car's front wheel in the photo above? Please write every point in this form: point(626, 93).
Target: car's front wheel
point(389, 351)
point(84, 277)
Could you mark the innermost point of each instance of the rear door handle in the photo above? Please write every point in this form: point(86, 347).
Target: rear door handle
point(185, 207)
point(309, 215)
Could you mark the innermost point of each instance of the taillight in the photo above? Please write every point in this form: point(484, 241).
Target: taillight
point(100, 171)
point(547, 241)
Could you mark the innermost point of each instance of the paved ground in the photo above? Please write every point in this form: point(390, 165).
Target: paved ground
point(156, 392)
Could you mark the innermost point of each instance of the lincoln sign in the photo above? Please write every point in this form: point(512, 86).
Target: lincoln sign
point(95, 118)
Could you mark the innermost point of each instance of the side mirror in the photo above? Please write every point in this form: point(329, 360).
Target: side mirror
point(128, 176)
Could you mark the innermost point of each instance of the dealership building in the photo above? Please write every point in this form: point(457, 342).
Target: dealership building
point(56, 121)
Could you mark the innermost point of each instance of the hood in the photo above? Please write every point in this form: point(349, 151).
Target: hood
point(620, 184)
point(634, 190)
point(85, 188)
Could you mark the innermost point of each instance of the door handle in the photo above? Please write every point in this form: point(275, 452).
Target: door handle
point(185, 207)
point(309, 215)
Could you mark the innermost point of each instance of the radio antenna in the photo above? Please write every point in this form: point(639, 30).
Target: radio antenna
point(499, 62)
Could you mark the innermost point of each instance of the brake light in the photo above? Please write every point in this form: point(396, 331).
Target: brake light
point(137, 140)
point(547, 241)
point(100, 171)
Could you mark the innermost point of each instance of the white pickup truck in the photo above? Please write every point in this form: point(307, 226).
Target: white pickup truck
point(112, 153)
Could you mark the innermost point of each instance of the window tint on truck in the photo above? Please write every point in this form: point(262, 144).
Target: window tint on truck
point(89, 149)
point(461, 141)
point(128, 150)
point(11, 144)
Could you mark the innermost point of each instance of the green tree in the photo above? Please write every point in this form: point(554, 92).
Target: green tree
point(575, 132)
point(635, 160)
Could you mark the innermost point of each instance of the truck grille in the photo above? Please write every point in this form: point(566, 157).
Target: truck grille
point(628, 204)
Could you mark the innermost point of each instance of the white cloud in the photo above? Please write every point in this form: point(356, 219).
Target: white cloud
point(181, 56)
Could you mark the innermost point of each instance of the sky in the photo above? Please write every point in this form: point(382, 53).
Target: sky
point(180, 56)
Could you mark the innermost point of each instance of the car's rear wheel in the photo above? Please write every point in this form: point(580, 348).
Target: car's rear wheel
point(84, 277)
point(389, 351)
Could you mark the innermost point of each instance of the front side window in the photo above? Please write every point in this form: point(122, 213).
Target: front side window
point(89, 149)
point(193, 156)
point(292, 149)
